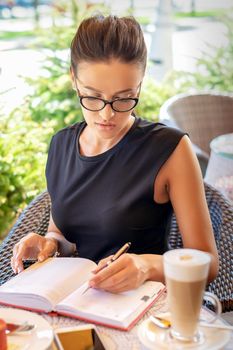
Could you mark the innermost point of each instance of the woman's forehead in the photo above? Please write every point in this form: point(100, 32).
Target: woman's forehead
point(100, 76)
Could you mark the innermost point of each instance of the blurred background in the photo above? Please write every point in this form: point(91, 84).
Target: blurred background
point(190, 46)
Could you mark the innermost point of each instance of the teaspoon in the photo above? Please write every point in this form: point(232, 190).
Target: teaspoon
point(165, 324)
point(12, 328)
point(160, 322)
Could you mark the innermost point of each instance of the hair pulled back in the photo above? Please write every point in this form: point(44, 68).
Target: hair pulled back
point(100, 38)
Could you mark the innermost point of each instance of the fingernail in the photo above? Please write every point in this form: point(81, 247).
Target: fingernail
point(41, 258)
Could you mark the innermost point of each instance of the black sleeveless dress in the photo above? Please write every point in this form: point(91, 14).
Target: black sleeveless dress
point(104, 201)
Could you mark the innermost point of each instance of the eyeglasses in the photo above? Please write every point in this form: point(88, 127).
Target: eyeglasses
point(95, 104)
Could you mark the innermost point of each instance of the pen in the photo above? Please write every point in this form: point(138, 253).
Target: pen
point(121, 251)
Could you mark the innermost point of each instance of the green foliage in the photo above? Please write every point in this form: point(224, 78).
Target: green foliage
point(200, 14)
point(152, 96)
point(5, 35)
point(23, 148)
point(53, 97)
point(214, 69)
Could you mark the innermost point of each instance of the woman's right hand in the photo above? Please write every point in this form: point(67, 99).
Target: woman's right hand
point(32, 246)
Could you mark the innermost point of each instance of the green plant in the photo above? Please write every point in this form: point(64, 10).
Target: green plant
point(52, 97)
point(23, 148)
point(199, 14)
point(214, 69)
point(153, 95)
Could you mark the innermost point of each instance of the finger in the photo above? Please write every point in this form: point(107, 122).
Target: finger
point(113, 280)
point(102, 263)
point(13, 258)
point(22, 250)
point(124, 287)
point(48, 250)
point(105, 273)
point(18, 253)
point(18, 266)
point(116, 274)
point(121, 287)
point(13, 265)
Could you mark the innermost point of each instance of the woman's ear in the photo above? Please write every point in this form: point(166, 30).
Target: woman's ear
point(72, 79)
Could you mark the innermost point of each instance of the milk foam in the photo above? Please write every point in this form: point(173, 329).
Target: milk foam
point(186, 265)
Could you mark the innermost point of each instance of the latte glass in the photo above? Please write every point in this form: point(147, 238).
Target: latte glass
point(186, 272)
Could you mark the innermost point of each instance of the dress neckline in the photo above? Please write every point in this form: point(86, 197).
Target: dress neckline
point(111, 150)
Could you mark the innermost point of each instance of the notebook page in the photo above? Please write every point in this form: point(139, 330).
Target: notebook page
point(108, 305)
point(52, 279)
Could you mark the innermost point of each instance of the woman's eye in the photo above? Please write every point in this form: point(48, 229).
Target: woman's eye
point(90, 98)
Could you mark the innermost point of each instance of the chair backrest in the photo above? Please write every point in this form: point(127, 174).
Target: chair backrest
point(203, 115)
point(221, 213)
point(34, 218)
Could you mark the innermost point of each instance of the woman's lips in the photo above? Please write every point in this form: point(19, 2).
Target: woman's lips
point(105, 126)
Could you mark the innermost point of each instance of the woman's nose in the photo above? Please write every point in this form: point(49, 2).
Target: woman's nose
point(107, 112)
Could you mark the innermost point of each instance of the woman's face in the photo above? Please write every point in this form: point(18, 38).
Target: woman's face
point(109, 81)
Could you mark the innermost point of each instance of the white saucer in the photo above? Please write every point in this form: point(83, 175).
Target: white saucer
point(153, 337)
point(39, 339)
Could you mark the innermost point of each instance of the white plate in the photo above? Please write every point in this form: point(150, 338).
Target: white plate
point(39, 339)
point(153, 337)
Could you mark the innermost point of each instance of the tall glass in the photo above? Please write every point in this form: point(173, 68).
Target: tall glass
point(186, 272)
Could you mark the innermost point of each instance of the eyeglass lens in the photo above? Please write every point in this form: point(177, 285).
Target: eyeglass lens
point(120, 105)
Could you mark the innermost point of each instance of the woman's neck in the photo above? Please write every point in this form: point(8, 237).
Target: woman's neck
point(91, 144)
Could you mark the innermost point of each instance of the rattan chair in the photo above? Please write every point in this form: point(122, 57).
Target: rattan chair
point(36, 217)
point(203, 115)
point(221, 213)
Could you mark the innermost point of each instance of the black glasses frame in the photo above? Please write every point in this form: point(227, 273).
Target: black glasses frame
point(136, 99)
point(106, 102)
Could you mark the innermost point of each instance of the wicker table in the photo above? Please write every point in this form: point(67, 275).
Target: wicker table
point(114, 339)
point(118, 340)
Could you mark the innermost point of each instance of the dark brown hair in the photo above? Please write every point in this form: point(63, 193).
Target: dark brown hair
point(100, 38)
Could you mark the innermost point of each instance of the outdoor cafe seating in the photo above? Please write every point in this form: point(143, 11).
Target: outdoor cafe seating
point(204, 116)
point(36, 218)
point(36, 215)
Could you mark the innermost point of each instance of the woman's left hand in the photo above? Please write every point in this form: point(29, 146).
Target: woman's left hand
point(127, 272)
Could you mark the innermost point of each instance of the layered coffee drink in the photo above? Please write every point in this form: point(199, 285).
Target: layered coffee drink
point(186, 272)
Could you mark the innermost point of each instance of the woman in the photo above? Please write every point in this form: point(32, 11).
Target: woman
point(116, 178)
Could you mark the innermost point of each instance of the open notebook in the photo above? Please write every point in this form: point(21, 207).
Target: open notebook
point(57, 285)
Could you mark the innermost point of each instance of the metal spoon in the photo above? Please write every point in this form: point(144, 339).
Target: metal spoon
point(160, 322)
point(13, 328)
point(165, 324)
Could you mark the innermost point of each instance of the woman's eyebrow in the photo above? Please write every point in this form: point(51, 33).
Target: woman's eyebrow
point(96, 90)
point(117, 92)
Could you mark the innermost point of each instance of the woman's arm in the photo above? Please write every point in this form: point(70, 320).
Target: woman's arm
point(186, 191)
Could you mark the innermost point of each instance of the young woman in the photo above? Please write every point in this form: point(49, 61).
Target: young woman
point(114, 177)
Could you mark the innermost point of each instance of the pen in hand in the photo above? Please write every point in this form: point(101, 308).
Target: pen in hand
point(121, 251)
